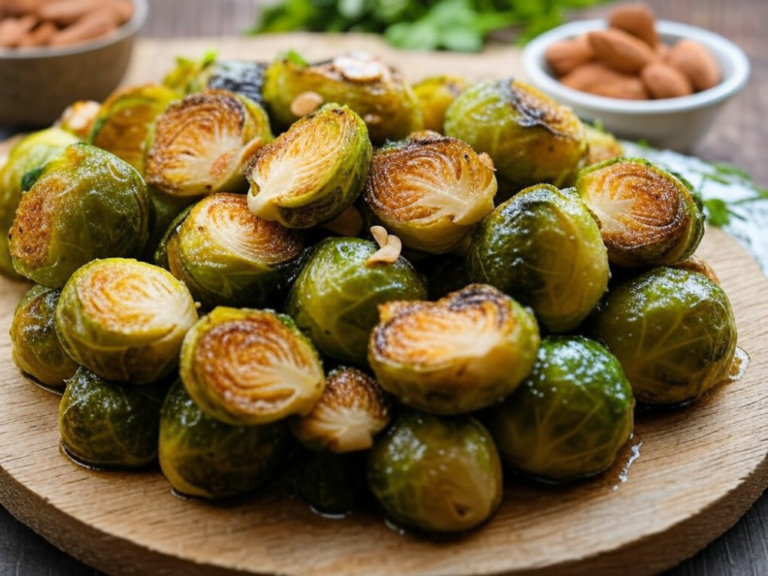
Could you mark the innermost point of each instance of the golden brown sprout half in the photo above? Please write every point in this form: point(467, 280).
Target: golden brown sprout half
point(203, 144)
point(78, 118)
point(351, 411)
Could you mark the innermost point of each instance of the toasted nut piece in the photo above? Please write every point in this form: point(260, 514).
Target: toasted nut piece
point(696, 263)
point(79, 117)
point(388, 253)
point(306, 103)
point(40, 36)
point(91, 26)
point(14, 30)
point(380, 235)
point(637, 20)
point(621, 51)
point(664, 81)
point(599, 79)
point(564, 56)
point(348, 223)
point(696, 62)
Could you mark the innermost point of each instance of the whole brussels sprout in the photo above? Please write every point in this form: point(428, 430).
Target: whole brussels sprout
point(647, 216)
point(570, 417)
point(435, 94)
point(247, 367)
point(602, 145)
point(124, 120)
point(110, 424)
point(201, 456)
point(203, 144)
point(228, 256)
point(435, 473)
point(332, 484)
point(544, 249)
point(124, 320)
point(464, 352)
point(36, 347)
point(376, 92)
point(531, 138)
point(86, 204)
point(351, 411)
point(314, 171)
point(183, 78)
point(27, 156)
point(243, 77)
point(429, 190)
point(165, 209)
point(336, 296)
point(672, 330)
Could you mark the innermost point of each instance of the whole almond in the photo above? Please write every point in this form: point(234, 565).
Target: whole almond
point(664, 81)
point(597, 78)
point(621, 51)
point(565, 55)
point(696, 62)
point(20, 7)
point(637, 20)
point(13, 30)
point(40, 36)
point(90, 26)
point(663, 51)
point(67, 12)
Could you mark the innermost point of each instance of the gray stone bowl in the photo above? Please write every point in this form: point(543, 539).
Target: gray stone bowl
point(37, 84)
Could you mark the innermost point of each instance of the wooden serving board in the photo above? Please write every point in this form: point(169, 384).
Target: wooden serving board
point(689, 476)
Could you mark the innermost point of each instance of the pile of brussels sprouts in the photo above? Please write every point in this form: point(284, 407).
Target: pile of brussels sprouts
point(318, 277)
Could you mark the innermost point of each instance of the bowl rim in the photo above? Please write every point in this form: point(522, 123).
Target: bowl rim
point(128, 29)
point(535, 68)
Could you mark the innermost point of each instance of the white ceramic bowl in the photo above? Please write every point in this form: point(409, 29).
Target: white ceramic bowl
point(674, 123)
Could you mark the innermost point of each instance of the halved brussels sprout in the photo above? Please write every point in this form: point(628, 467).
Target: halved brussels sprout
point(247, 367)
point(673, 332)
point(570, 417)
point(314, 171)
point(85, 204)
point(531, 138)
point(437, 474)
point(429, 190)
point(435, 94)
point(336, 296)
point(351, 411)
point(544, 249)
point(462, 353)
point(204, 143)
point(373, 90)
point(125, 118)
point(201, 456)
point(110, 424)
point(332, 484)
point(602, 145)
point(27, 156)
point(647, 216)
point(78, 118)
point(228, 256)
point(124, 320)
point(36, 347)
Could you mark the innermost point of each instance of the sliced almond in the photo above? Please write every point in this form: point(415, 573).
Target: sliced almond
point(306, 103)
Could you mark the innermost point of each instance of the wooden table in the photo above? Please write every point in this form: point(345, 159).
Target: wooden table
point(737, 138)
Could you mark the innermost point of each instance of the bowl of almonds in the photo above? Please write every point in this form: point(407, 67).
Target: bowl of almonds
point(657, 81)
point(55, 52)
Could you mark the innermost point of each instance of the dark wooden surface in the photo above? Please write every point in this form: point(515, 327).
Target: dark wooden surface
point(738, 137)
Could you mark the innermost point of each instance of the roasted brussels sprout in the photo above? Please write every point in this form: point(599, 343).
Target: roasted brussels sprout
point(183, 78)
point(124, 319)
point(247, 367)
point(570, 417)
point(228, 256)
point(165, 210)
point(602, 145)
point(78, 118)
point(462, 353)
point(36, 348)
point(28, 156)
point(375, 91)
point(85, 204)
point(124, 119)
point(204, 143)
point(351, 411)
point(435, 94)
point(332, 484)
point(243, 77)
point(429, 190)
point(435, 473)
point(110, 424)
point(336, 295)
point(647, 216)
point(314, 171)
point(201, 456)
point(673, 332)
point(544, 249)
point(531, 138)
